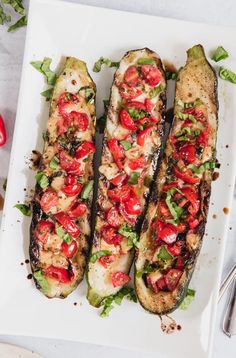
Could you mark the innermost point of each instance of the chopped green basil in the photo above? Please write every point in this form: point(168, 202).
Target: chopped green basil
point(126, 144)
point(155, 91)
point(20, 23)
point(133, 179)
point(205, 166)
point(130, 234)
point(5, 185)
point(42, 180)
point(64, 235)
point(104, 61)
point(48, 94)
point(3, 16)
point(44, 68)
point(146, 269)
point(163, 254)
point(181, 115)
point(175, 210)
point(24, 209)
point(98, 254)
point(54, 163)
point(137, 114)
point(171, 75)
point(16, 5)
point(227, 75)
point(187, 130)
point(190, 295)
point(220, 54)
point(89, 93)
point(41, 280)
point(127, 292)
point(146, 61)
point(193, 104)
point(86, 190)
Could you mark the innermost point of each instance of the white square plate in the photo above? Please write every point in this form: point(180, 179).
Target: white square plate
point(57, 29)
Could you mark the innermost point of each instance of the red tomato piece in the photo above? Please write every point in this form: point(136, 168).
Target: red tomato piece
point(138, 163)
point(131, 76)
point(193, 223)
point(119, 278)
point(179, 264)
point(163, 209)
point(110, 236)
point(149, 105)
point(48, 200)
point(188, 153)
point(77, 209)
point(192, 196)
point(128, 92)
point(167, 233)
point(3, 136)
point(69, 250)
point(186, 176)
point(175, 249)
point(126, 121)
point(117, 151)
point(72, 189)
point(161, 284)
point(119, 194)
point(59, 274)
point(203, 137)
point(85, 149)
point(151, 74)
point(132, 205)
point(136, 104)
point(69, 164)
point(106, 260)
point(80, 120)
point(112, 217)
point(143, 135)
point(66, 103)
point(43, 229)
point(172, 278)
point(119, 179)
point(67, 224)
point(170, 185)
point(130, 219)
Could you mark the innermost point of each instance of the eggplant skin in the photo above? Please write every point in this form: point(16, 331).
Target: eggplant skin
point(198, 80)
point(98, 279)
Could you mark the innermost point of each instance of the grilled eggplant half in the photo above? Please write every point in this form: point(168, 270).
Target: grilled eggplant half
point(172, 233)
point(132, 141)
point(60, 227)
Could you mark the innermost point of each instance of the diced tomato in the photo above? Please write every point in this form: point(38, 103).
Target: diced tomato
point(138, 163)
point(72, 189)
point(176, 248)
point(172, 278)
point(119, 194)
point(80, 120)
point(77, 209)
point(110, 236)
point(161, 284)
point(193, 223)
point(66, 103)
point(188, 153)
point(43, 229)
point(59, 274)
point(106, 260)
point(149, 105)
point(119, 278)
point(3, 136)
point(67, 224)
point(191, 194)
point(186, 176)
point(170, 185)
point(136, 104)
point(167, 232)
point(163, 209)
point(143, 135)
point(203, 137)
point(179, 264)
point(117, 151)
point(132, 205)
point(152, 284)
point(126, 121)
point(128, 92)
point(151, 74)
point(112, 217)
point(85, 149)
point(131, 76)
point(119, 179)
point(48, 200)
point(69, 250)
point(69, 164)
point(62, 126)
point(130, 219)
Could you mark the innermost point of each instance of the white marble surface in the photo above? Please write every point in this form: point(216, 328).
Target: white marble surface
point(11, 52)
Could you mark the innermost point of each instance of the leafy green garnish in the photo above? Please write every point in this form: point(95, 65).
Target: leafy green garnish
point(64, 235)
point(86, 190)
point(155, 91)
point(24, 209)
point(16, 5)
point(44, 68)
point(5, 185)
point(98, 254)
point(130, 234)
point(43, 283)
point(104, 61)
point(133, 179)
point(171, 75)
point(127, 292)
point(137, 114)
point(193, 104)
point(163, 254)
point(20, 23)
point(175, 210)
point(205, 166)
point(42, 180)
point(220, 54)
point(187, 130)
point(89, 93)
point(184, 116)
point(54, 163)
point(146, 269)
point(126, 144)
point(48, 94)
point(146, 61)
point(190, 295)
point(3, 16)
point(227, 75)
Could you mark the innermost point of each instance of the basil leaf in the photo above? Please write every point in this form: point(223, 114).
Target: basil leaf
point(48, 94)
point(42, 180)
point(126, 144)
point(227, 75)
point(86, 190)
point(133, 179)
point(163, 254)
point(190, 295)
point(205, 166)
point(193, 104)
point(171, 75)
point(41, 280)
point(89, 93)
point(130, 234)
point(146, 269)
point(3, 16)
point(220, 54)
point(184, 116)
point(146, 61)
point(104, 61)
point(64, 235)
point(127, 292)
point(44, 68)
point(54, 163)
point(5, 185)
point(155, 91)
point(24, 209)
point(16, 5)
point(137, 114)
point(20, 23)
point(98, 254)
point(175, 210)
